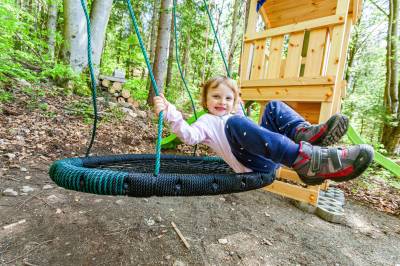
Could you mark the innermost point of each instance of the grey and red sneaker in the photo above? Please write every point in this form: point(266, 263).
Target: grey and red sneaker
point(324, 134)
point(315, 164)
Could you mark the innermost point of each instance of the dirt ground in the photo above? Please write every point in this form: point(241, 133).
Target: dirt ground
point(48, 225)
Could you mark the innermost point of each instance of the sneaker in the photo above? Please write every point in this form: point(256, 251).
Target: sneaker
point(315, 164)
point(324, 134)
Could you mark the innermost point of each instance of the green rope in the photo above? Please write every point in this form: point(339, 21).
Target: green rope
point(219, 46)
point(155, 87)
point(177, 59)
point(180, 69)
point(92, 77)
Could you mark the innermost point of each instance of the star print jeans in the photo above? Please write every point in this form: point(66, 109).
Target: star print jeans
point(264, 147)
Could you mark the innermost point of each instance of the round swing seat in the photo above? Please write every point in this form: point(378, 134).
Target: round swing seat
point(132, 175)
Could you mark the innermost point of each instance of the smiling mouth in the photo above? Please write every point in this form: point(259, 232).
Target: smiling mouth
point(220, 108)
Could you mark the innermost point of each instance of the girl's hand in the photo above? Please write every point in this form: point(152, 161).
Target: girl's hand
point(160, 104)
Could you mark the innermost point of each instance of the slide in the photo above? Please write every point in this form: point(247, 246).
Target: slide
point(379, 158)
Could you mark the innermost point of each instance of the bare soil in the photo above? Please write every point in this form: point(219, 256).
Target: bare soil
point(62, 227)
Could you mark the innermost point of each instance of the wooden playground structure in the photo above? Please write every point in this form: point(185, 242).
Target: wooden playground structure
point(298, 57)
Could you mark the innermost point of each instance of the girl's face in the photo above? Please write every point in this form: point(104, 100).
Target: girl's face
point(220, 100)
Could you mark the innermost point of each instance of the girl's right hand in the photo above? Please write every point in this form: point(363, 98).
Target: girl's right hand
point(160, 104)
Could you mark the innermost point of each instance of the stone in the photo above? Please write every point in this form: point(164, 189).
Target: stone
point(27, 189)
point(52, 199)
point(47, 187)
point(142, 114)
point(120, 202)
point(179, 263)
point(223, 241)
point(10, 192)
point(150, 221)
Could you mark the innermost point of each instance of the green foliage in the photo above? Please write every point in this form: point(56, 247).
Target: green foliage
point(82, 109)
point(113, 114)
point(21, 46)
point(137, 87)
point(5, 96)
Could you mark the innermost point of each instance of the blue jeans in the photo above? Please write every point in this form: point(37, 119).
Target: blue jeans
point(264, 147)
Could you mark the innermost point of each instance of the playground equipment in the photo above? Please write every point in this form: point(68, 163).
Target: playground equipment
point(297, 57)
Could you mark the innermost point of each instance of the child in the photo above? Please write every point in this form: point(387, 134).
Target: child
point(283, 137)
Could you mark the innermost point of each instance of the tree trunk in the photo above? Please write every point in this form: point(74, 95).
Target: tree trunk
point(214, 40)
point(232, 44)
point(162, 47)
point(52, 27)
point(99, 16)
point(391, 129)
point(153, 38)
point(170, 56)
point(75, 35)
point(186, 53)
point(247, 14)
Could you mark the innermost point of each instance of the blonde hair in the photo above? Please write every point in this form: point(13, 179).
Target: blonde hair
point(213, 83)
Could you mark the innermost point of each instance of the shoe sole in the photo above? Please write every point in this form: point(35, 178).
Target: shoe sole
point(361, 163)
point(335, 131)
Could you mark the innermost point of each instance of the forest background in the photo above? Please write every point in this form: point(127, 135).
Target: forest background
point(45, 42)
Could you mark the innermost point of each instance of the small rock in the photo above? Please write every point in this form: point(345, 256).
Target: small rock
point(54, 199)
point(23, 83)
point(28, 177)
point(266, 242)
point(267, 214)
point(47, 187)
point(10, 192)
point(159, 219)
point(223, 241)
point(222, 199)
point(98, 200)
point(11, 156)
point(26, 189)
point(150, 221)
point(58, 211)
point(168, 257)
point(142, 114)
point(179, 263)
point(120, 202)
point(145, 200)
point(23, 169)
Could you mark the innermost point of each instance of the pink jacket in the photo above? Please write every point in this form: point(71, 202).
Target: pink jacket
point(209, 130)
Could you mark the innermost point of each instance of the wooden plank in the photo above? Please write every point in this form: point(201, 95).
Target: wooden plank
point(308, 110)
point(294, 192)
point(315, 53)
point(258, 65)
point(253, 17)
point(293, 93)
point(288, 12)
point(246, 61)
point(287, 174)
point(296, 27)
point(275, 57)
point(246, 58)
point(335, 64)
point(102, 77)
point(286, 82)
point(293, 59)
point(341, 90)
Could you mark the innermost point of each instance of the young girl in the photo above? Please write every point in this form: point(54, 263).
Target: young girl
point(283, 137)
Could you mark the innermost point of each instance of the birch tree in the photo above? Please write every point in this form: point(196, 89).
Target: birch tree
point(52, 27)
point(99, 16)
point(162, 47)
point(75, 35)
